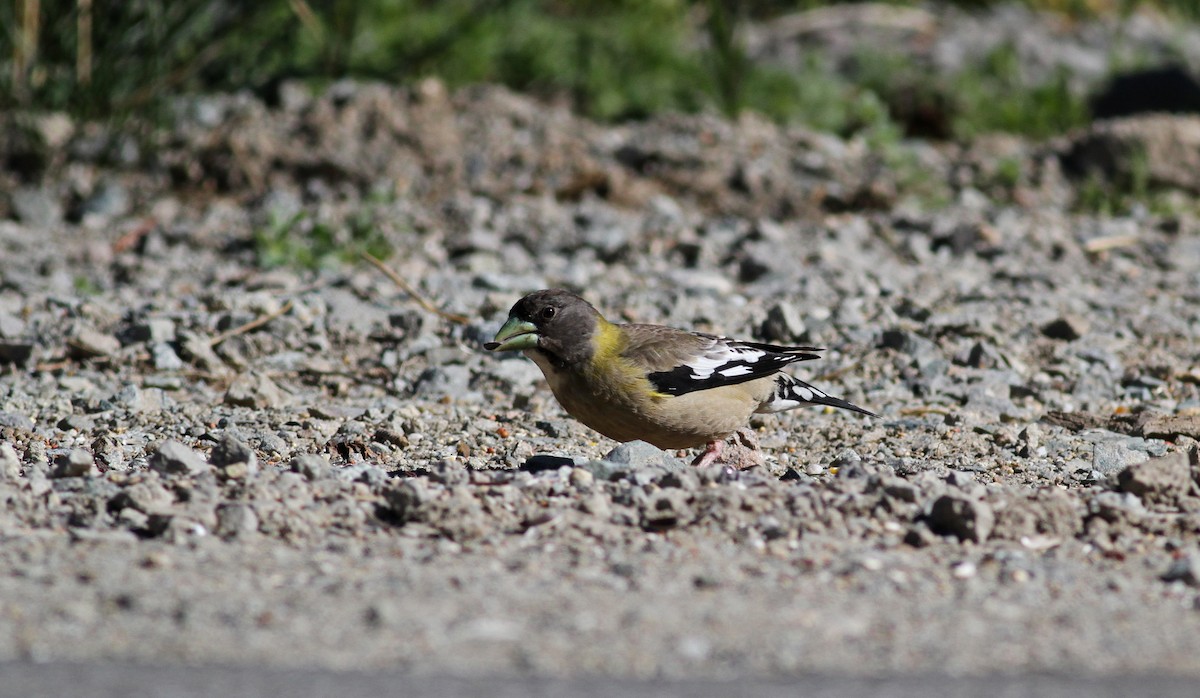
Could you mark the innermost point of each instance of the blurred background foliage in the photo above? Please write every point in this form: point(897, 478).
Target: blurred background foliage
point(611, 59)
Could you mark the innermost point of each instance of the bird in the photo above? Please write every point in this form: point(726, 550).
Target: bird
point(673, 388)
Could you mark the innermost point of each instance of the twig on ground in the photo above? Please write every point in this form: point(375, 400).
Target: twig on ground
point(408, 288)
point(252, 325)
point(1110, 242)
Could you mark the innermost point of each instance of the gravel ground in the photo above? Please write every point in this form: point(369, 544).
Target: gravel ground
point(205, 460)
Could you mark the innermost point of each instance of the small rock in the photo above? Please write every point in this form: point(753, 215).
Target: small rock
point(665, 509)
point(639, 454)
point(76, 422)
point(582, 479)
point(173, 458)
point(1163, 480)
point(37, 206)
point(403, 500)
point(153, 331)
point(919, 535)
point(236, 520)
point(783, 323)
point(198, 350)
point(1186, 569)
point(361, 472)
point(15, 351)
point(980, 355)
point(924, 351)
point(965, 519)
point(1030, 439)
point(230, 450)
point(311, 466)
point(11, 326)
point(450, 472)
point(542, 462)
point(110, 199)
point(964, 570)
point(233, 458)
point(1067, 327)
point(1172, 426)
point(12, 420)
point(452, 380)
point(88, 343)
point(1109, 457)
point(10, 463)
point(254, 390)
point(137, 400)
point(596, 504)
point(331, 411)
point(165, 358)
point(133, 519)
point(77, 463)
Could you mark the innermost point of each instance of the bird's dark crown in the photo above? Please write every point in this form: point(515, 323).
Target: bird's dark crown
point(565, 322)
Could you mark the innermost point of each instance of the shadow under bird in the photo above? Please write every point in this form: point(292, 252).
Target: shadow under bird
point(670, 387)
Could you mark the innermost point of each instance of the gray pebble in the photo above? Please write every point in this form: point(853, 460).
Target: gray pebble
point(1109, 457)
point(965, 519)
point(173, 458)
point(254, 390)
point(88, 342)
point(153, 331)
point(361, 472)
point(235, 459)
point(37, 206)
point(10, 463)
point(438, 381)
point(783, 323)
point(110, 199)
point(235, 520)
point(76, 422)
point(76, 463)
point(1165, 480)
point(925, 352)
point(311, 466)
point(1067, 328)
point(197, 349)
point(11, 326)
point(165, 358)
point(582, 479)
point(450, 472)
point(639, 454)
point(1186, 569)
point(12, 420)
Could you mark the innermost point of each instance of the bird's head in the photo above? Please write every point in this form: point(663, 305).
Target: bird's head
point(555, 322)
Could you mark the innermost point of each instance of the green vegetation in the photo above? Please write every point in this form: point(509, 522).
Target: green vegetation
point(300, 240)
point(1123, 191)
point(612, 59)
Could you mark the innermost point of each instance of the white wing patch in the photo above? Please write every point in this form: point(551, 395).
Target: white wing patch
point(722, 361)
point(725, 358)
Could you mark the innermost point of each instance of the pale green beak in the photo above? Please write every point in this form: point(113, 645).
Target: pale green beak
point(517, 334)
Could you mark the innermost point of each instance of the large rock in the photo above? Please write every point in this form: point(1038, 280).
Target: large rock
point(1158, 150)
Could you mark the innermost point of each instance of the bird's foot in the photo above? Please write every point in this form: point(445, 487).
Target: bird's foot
point(712, 451)
point(740, 453)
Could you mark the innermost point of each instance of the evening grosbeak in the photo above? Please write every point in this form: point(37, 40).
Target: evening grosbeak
point(669, 387)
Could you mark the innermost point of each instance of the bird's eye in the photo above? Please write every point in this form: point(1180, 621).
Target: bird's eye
point(547, 313)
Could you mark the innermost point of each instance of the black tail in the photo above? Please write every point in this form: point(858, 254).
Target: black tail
point(791, 392)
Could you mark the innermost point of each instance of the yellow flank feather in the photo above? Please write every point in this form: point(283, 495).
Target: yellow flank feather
point(611, 373)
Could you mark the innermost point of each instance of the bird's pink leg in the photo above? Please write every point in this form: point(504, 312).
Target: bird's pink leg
point(712, 451)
